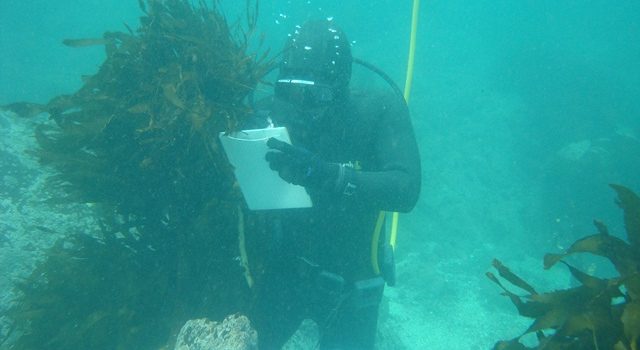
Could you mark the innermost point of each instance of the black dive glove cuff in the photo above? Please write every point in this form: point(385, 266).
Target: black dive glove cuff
point(298, 166)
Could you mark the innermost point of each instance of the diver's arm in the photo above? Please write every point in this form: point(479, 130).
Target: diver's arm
point(393, 181)
point(396, 185)
point(394, 190)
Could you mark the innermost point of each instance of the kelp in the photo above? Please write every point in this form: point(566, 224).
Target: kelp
point(138, 141)
point(153, 110)
point(600, 313)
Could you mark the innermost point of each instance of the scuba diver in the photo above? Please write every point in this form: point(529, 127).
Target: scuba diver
point(355, 153)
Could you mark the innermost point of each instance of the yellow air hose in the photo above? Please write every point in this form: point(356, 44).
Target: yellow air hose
point(242, 247)
point(407, 92)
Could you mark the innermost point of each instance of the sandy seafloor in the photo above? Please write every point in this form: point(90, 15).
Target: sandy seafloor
point(524, 112)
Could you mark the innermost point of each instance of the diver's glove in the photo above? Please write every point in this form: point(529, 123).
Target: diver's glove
point(298, 166)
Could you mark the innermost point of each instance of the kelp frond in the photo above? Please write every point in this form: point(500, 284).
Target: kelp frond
point(601, 313)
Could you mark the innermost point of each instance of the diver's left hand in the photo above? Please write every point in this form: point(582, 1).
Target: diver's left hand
point(298, 166)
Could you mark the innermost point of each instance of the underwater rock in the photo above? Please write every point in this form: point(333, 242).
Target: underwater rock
point(31, 217)
point(234, 333)
point(580, 150)
point(306, 337)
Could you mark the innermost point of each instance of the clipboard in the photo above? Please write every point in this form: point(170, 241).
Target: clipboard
point(261, 187)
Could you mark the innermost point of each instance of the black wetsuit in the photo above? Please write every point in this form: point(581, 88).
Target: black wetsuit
point(308, 252)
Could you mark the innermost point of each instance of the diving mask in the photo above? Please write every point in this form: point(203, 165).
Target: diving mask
point(304, 93)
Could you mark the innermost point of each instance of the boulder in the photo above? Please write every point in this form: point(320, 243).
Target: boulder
point(233, 333)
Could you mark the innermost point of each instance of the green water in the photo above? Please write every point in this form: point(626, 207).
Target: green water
point(525, 111)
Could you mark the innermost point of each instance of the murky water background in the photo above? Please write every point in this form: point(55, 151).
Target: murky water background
point(525, 111)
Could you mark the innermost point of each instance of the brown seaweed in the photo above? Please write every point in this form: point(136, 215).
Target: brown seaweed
point(138, 141)
point(601, 313)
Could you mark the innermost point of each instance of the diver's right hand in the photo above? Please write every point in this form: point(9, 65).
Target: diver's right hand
point(299, 166)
